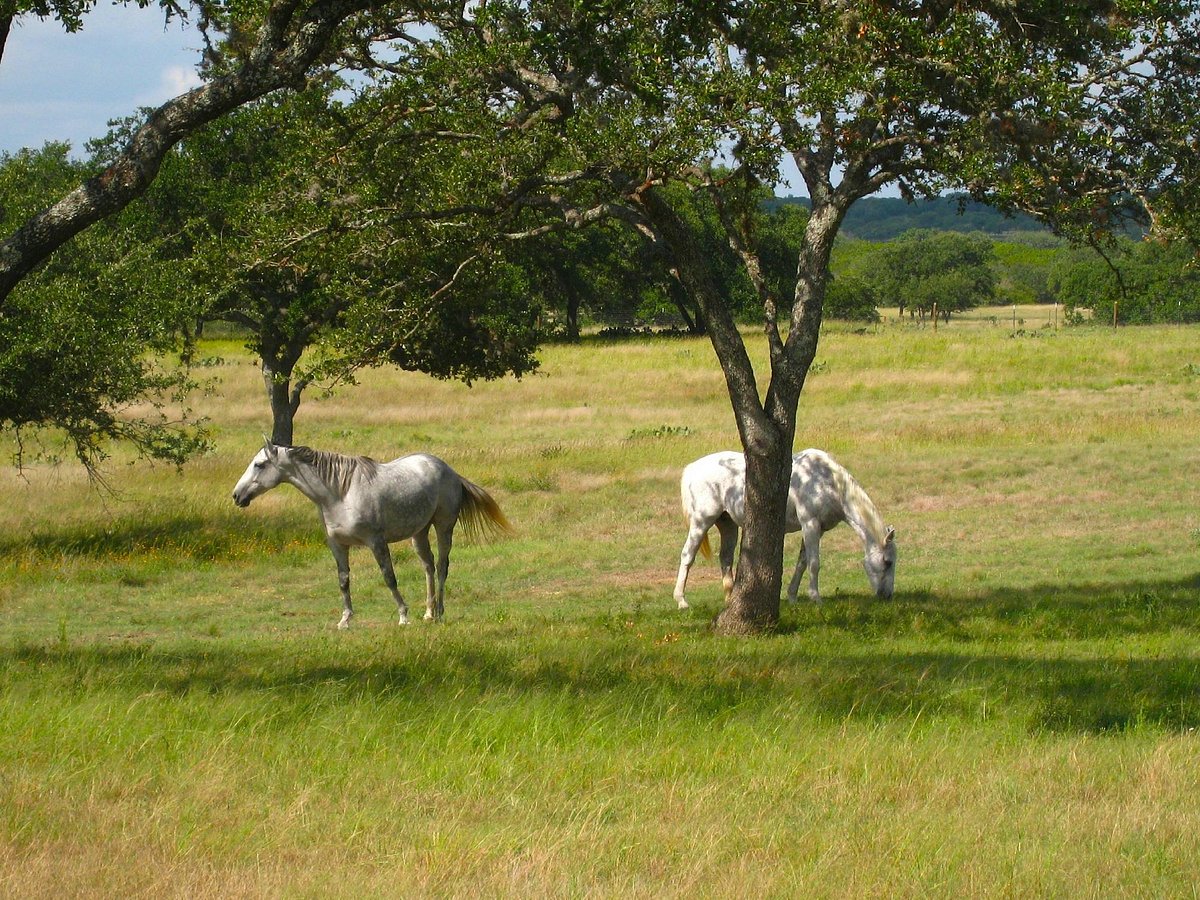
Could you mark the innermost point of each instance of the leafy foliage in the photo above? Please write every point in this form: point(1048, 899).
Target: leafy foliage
point(1023, 271)
point(1148, 282)
point(87, 338)
point(921, 269)
point(517, 118)
point(284, 232)
point(852, 298)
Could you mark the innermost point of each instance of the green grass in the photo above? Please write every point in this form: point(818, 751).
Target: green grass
point(179, 717)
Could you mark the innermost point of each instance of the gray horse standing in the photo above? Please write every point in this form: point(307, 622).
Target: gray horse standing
point(371, 504)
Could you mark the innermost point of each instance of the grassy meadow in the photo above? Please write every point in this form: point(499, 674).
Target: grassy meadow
point(180, 718)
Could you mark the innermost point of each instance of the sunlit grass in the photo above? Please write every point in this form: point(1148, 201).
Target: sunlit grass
point(178, 715)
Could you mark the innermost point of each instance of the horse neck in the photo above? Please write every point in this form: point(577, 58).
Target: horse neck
point(860, 513)
point(319, 476)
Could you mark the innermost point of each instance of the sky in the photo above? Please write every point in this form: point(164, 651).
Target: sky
point(56, 86)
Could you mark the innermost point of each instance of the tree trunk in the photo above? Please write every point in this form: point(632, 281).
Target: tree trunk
point(570, 291)
point(573, 316)
point(291, 38)
point(693, 318)
point(279, 361)
point(753, 604)
point(284, 403)
point(766, 427)
point(285, 400)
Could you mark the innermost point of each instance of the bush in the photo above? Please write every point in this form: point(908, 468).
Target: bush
point(851, 299)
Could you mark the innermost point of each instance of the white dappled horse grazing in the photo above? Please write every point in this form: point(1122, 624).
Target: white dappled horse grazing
point(371, 504)
point(821, 495)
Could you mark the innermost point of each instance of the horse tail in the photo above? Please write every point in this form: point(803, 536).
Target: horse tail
point(705, 546)
point(480, 515)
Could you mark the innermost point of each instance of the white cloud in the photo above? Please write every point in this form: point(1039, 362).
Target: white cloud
point(172, 81)
point(180, 79)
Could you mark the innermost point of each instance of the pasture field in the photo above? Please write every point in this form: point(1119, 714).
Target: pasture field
point(180, 718)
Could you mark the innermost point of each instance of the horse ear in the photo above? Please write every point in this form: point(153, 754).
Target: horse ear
point(891, 535)
point(269, 446)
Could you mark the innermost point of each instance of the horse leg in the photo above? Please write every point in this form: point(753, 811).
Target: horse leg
point(341, 555)
point(383, 556)
point(729, 535)
point(801, 564)
point(445, 539)
point(812, 552)
point(696, 531)
point(420, 543)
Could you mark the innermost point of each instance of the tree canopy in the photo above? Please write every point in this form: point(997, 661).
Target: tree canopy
point(278, 226)
point(1148, 282)
point(920, 269)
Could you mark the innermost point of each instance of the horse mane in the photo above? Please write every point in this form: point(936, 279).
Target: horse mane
point(335, 469)
point(856, 502)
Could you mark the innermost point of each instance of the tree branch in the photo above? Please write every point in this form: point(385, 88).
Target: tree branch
point(740, 242)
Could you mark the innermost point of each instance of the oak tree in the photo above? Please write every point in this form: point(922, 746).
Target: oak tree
point(1046, 108)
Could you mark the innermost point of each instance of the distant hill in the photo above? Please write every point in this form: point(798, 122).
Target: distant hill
point(883, 218)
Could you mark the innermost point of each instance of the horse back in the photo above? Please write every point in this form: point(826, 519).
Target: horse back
point(406, 494)
point(818, 485)
point(713, 485)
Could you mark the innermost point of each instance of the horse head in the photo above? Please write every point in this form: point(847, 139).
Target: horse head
point(261, 475)
point(880, 564)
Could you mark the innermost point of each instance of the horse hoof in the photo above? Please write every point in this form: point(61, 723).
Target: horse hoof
point(343, 625)
point(683, 604)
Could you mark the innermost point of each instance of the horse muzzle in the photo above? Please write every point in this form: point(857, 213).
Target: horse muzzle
point(242, 501)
